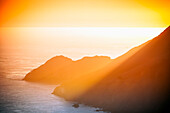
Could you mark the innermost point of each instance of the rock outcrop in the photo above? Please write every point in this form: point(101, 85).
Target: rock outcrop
point(59, 69)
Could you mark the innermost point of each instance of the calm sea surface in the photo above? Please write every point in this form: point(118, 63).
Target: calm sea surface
point(23, 49)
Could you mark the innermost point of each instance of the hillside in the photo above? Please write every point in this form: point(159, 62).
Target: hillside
point(59, 69)
point(136, 82)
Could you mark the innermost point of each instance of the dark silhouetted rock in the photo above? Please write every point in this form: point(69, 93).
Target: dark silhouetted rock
point(75, 105)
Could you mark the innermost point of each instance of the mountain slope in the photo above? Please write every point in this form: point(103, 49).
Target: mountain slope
point(138, 84)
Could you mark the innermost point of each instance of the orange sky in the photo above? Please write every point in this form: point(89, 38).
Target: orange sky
point(84, 13)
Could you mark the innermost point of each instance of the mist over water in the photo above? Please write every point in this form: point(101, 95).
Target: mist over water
point(23, 49)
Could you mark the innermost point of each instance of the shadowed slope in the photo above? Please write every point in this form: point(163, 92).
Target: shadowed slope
point(138, 84)
point(60, 69)
point(78, 85)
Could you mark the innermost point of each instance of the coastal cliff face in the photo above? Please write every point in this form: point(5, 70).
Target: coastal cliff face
point(137, 82)
point(59, 69)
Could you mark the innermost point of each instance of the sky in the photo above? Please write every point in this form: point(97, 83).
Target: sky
point(84, 13)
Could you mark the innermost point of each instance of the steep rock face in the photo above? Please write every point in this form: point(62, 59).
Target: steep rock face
point(60, 69)
point(137, 84)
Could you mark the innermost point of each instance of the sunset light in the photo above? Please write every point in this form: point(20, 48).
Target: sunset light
point(84, 13)
point(84, 56)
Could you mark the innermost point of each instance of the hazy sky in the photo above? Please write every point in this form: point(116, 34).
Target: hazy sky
point(84, 13)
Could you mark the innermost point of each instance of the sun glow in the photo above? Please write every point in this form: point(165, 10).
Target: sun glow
point(88, 33)
point(109, 54)
point(84, 13)
point(110, 41)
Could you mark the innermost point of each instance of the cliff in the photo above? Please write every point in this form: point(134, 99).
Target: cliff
point(136, 82)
